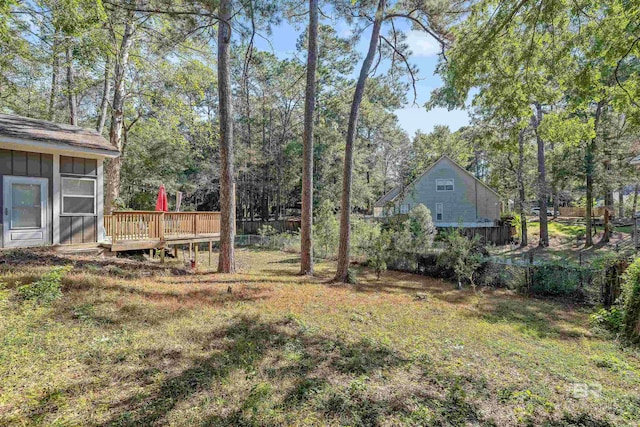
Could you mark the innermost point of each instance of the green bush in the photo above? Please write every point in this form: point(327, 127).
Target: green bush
point(608, 320)
point(502, 276)
point(363, 235)
point(326, 233)
point(288, 241)
point(325, 230)
point(378, 252)
point(411, 238)
point(516, 222)
point(461, 255)
point(556, 278)
point(631, 303)
point(47, 289)
point(267, 230)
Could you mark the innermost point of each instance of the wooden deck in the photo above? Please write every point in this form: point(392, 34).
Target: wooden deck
point(133, 230)
point(576, 212)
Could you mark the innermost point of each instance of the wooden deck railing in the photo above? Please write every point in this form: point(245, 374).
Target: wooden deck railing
point(151, 225)
point(580, 212)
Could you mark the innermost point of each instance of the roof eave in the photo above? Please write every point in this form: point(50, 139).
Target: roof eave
point(22, 144)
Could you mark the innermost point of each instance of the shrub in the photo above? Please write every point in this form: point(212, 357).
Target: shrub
point(516, 222)
point(411, 238)
point(502, 276)
point(267, 230)
point(288, 241)
point(609, 320)
point(556, 278)
point(363, 235)
point(631, 303)
point(325, 229)
point(352, 276)
point(377, 252)
point(47, 289)
point(326, 233)
point(462, 255)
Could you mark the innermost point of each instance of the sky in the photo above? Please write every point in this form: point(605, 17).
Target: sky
point(412, 117)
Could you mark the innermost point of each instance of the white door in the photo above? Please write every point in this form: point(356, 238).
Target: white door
point(25, 211)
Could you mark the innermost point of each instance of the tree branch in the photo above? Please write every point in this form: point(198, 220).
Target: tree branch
point(160, 11)
point(615, 72)
point(404, 59)
point(427, 30)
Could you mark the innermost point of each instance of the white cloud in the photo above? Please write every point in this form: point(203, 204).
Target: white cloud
point(422, 44)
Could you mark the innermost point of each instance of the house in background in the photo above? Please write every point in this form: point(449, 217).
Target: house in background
point(453, 195)
point(51, 189)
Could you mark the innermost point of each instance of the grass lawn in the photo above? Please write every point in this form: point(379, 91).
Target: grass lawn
point(134, 343)
point(566, 240)
point(626, 229)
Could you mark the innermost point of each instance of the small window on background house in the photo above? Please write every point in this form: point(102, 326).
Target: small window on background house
point(78, 196)
point(404, 209)
point(438, 211)
point(444, 184)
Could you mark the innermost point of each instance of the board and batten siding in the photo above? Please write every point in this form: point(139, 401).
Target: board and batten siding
point(469, 201)
point(79, 228)
point(28, 164)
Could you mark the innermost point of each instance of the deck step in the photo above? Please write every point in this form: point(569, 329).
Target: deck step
point(95, 249)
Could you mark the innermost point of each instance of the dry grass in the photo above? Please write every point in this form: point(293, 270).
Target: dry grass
point(134, 343)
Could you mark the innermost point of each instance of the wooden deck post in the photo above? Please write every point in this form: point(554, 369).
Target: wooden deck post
point(161, 227)
point(162, 254)
point(190, 251)
point(175, 251)
point(195, 259)
point(210, 250)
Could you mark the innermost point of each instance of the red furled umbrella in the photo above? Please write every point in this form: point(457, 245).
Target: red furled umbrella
point(162, 204)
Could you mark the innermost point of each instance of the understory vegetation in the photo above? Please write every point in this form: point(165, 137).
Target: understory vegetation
point(406, 243)
point(140, 343)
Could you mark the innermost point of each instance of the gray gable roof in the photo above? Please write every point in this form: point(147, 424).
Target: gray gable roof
point(397, 191)
point(388, 197)
point(29, 129)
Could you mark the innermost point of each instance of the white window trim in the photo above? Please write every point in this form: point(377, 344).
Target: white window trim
point(94, 197)
point(445, 181)
point(439, 211)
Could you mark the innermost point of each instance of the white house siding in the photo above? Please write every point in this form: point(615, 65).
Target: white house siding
point(470, 202)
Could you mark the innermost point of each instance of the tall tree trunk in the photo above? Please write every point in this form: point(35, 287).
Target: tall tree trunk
point(590, 169)
point(521, 191)
point(71, 86)
point(347, 176)
point(106, 87)
point(306, 233)
point(114, 166)
point(226, 261)
point(542, 180)
point(635, 199)
point(55, 76)
point(621, 202)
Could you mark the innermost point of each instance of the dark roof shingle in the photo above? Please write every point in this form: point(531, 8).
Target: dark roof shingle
point(44, 131)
